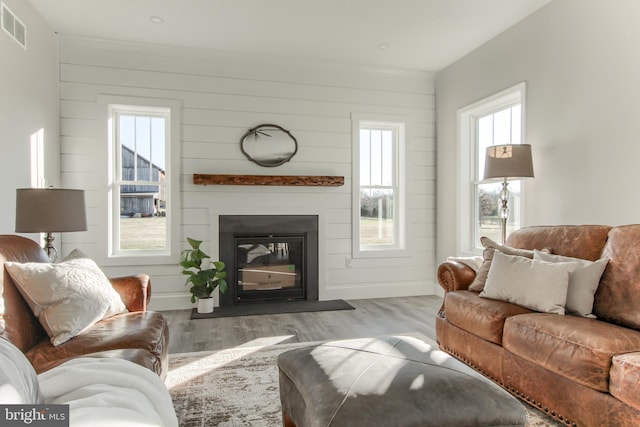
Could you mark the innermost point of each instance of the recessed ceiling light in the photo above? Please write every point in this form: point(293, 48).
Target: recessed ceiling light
point(383, 46)
point(157, 20)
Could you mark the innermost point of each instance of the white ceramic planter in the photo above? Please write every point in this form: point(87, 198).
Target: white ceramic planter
point(205, 305)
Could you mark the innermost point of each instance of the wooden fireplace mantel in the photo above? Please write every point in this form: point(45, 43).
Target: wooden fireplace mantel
point(296, 180)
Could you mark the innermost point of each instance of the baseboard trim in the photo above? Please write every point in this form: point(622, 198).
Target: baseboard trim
point(359, 291)
point(181, 300)
point(171, 301)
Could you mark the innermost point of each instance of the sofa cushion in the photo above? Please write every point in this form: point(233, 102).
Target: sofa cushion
point(618, 296)
point(577, 348)
point(480, 316)
point(139, 330)
point(68, 297)
point(625, 378)
point(538, 285)
point(583, 281)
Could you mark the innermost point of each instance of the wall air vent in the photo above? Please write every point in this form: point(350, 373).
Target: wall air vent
point(13, 26)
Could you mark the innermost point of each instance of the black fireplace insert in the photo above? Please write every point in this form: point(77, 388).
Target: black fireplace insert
point(269, 258)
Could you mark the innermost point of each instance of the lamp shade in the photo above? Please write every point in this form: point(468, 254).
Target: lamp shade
point(508, 161)
point(50, 210)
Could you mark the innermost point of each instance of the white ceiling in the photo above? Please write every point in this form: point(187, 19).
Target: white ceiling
point(421, 34)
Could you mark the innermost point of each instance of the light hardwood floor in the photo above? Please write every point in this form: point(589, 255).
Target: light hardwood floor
point(372, 317)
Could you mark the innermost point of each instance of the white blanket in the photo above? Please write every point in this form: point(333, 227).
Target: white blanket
point(109, 392)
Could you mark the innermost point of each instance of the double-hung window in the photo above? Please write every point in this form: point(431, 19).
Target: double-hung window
point(496, 120)
point(378, 178)
point(140, 211)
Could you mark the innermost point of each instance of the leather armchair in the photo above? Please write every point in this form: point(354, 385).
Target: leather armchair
point(139, 335)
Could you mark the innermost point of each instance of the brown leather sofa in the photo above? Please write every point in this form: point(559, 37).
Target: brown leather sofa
point(579, 370)
point(139, 336)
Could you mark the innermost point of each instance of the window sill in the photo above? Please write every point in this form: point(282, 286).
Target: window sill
point(147, 258)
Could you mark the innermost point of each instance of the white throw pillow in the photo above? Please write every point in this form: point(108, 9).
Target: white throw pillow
point(67, 297)
point(491, 247)
point(18, 380)
point(537, 285)
point(583, 281)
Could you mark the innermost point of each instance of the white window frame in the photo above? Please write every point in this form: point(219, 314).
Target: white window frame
point(467, 160)
point(142, 106)
point(399, 249)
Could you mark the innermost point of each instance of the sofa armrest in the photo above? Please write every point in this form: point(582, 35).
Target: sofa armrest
point(135, 291)
point(454, 276)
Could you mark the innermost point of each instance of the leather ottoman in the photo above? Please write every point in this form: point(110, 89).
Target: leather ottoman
point(388, 381)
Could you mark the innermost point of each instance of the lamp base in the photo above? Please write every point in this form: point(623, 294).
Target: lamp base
point(51, 250)
point(504, 209)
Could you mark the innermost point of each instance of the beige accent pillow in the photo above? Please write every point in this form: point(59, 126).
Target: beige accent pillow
point(490, 247)
point(537, 285)
point(68, 297)
point(583, 281)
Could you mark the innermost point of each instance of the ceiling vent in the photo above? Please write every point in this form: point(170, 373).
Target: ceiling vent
point(13, 26)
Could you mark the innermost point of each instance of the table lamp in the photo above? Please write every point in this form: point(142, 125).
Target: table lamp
point(50, 210)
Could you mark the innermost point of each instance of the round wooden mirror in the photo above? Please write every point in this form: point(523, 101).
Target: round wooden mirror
point(268, 145)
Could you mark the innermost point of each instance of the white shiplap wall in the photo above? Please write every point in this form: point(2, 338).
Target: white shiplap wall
point(222, 96)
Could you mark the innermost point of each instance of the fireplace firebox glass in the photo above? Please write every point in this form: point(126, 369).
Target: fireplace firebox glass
point(269, 267)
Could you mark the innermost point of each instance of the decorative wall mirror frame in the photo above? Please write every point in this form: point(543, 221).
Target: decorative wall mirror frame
point(268, 145)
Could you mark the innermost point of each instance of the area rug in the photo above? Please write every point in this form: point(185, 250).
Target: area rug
point(239, 387)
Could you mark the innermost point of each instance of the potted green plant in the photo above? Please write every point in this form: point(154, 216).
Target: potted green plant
point(203, 280)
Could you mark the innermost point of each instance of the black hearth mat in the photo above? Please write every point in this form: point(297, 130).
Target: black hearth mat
point(279, 307)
